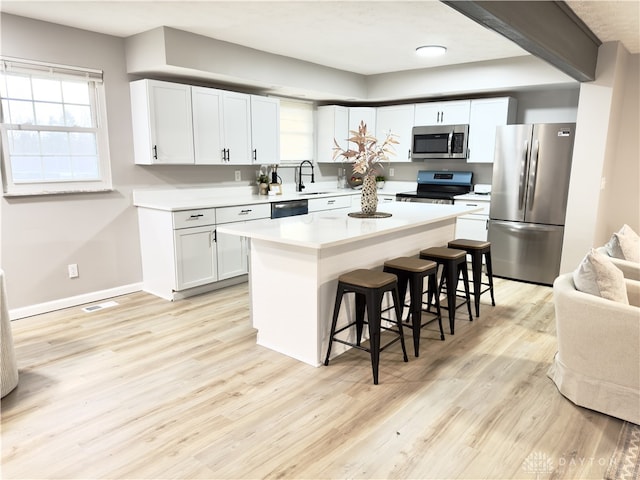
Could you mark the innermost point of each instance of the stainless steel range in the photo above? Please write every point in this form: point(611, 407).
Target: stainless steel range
point(435, 186)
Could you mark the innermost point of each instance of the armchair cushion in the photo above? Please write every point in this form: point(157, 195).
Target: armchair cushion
point(624, 244)
point(597, 275)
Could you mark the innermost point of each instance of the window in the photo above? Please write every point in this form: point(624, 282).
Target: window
point(54, 129)
point(296, 131)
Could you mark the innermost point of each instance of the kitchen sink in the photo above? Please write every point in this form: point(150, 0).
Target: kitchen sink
point(312, 193)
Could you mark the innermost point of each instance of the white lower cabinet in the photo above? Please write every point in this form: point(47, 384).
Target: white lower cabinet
point(182, 250)
point(473, 226)
point(195, 256)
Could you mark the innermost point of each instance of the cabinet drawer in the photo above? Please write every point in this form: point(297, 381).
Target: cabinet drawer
point(472, 203)
point(240, 213)
point(329, 203)
point(194, 218)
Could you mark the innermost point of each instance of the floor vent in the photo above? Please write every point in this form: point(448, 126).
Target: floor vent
point(100, 306)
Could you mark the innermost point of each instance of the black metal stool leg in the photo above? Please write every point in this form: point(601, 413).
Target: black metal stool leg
point(451, 275)
point(476, 270)
point(398, 304)
point(334, 321)
point(465, 279)
point(373, 314)
point(433, 281)
point(415, 287)
point(361, 302)
point(487, 262)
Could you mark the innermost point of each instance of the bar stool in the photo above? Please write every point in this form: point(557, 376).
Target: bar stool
point(453, 262)
point(369, 287)
point(477, 249)
point(412, 271)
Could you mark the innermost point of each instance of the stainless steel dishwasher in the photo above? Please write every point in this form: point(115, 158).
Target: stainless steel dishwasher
point(289, 208)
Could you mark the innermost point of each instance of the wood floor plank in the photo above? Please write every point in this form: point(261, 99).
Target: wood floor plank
point(154, 389)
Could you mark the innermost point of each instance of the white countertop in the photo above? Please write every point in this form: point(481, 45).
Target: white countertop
point(334, 227)
point(176, 199)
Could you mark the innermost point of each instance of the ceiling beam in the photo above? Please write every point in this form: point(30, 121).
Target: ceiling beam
point(549, 30)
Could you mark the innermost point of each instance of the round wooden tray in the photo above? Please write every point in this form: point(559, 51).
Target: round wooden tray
point(369, 215)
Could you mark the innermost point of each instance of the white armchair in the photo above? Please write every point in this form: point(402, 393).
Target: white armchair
point(597, 365)
point(630, 270)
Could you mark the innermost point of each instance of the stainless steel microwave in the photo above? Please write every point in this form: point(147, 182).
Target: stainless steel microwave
point(439, 141)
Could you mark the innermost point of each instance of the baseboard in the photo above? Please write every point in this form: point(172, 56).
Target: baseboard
point(46, 307)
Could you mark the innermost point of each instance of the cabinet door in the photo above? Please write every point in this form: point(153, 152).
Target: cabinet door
point(362, 114)
point(207, 125)
point(265, 130)
point(332, 123)
point(472, 227)
point(237, 128)
point(485, 116)
point(397, 119)
point(232, 256)
point(162, 123)
point(442, 113)
point(195, 256)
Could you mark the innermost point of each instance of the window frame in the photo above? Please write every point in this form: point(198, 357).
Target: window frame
point(94, 78)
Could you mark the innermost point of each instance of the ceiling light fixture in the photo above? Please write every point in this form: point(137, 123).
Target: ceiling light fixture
point(431, 50)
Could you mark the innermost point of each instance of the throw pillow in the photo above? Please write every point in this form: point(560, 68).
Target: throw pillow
point(624, 244)
point(597, 275)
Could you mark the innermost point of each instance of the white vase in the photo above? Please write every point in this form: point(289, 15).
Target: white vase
point(369, 196)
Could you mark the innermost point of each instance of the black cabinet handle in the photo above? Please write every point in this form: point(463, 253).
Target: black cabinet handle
point(155, 152)
point(255, 155)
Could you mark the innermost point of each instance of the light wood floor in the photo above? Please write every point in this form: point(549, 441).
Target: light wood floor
point(154, 389)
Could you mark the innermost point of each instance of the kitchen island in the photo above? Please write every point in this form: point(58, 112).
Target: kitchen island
point(295, 263)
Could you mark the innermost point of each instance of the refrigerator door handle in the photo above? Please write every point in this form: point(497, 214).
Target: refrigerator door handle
point(533, 173)
point(523, 172)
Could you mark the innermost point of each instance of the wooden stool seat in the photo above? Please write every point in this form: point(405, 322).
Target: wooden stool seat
point(453, 263)
point(466, 244)
point(411, 264)
point(477, 249)
point(367, 278)
point(442, 253)
point(369, 287)
point(412, 271)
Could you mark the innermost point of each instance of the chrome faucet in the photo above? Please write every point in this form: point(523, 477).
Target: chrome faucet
point(299, 183)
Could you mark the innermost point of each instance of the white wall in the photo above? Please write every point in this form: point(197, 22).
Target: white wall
point(606, 145)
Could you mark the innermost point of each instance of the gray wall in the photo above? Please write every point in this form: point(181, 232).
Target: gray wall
point(41, 235)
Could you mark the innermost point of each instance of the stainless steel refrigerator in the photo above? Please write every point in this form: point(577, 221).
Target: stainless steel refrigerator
point(531, 172)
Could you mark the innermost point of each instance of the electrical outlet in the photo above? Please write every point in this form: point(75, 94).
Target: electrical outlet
point(73, 270)
point(238, 176)
point(392, 172)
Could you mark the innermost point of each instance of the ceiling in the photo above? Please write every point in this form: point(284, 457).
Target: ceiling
point(365, 37)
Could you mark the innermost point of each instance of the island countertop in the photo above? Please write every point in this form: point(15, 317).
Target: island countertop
point(334, 227)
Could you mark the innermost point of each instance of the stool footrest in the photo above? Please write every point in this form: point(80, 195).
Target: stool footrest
point(360, 347)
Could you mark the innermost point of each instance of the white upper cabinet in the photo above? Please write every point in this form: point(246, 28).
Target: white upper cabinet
point(362, 114)
point(442, 113)
point(182, 124)
point(162, 122)
point(486, 115)
point(332, 123)
point(207, 125)
point(397, 119)
point(265, 130)
point(237, 128)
